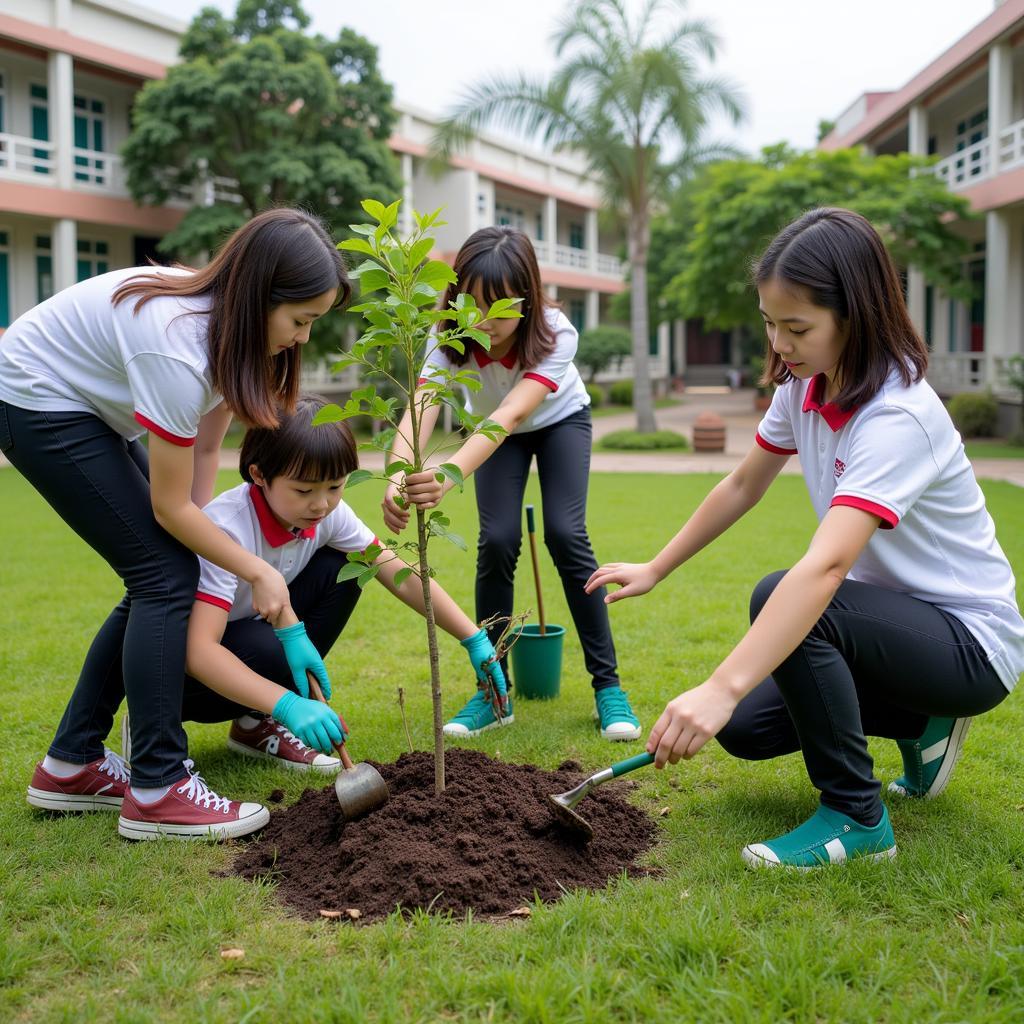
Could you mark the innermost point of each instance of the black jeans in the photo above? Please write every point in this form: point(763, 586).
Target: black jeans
point(98, 483)
point(563, 465)
point(877, 663)
point(319, 600)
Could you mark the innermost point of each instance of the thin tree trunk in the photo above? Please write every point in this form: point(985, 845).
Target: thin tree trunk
point(643, 404)
point(435, 668)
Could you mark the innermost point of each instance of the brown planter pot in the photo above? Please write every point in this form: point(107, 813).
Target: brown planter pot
point(761, 402)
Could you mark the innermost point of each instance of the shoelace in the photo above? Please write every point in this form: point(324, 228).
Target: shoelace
point(200, 793)
point(114, 766)
point(614, 704)
point(289, 736)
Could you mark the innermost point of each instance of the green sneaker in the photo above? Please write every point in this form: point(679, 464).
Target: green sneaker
point(615, 715)
point(928, 761)
point(477, 716)
point(827, 837)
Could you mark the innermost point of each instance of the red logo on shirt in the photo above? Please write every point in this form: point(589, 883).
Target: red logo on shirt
point(840, 468)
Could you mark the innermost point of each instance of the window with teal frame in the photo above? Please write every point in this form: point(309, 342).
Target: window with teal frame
point(576, 236)
point(89, 133)
point(92, 259)
point(44, 268)
point(40, 114)
point(577, 313)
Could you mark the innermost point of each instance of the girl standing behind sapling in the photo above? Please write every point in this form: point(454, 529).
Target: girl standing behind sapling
point(901, 619)
point(290, 513)
point(532, 389)
point(174, 352)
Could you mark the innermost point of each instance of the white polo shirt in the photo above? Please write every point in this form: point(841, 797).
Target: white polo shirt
point(499, 376)
point(900, 458)
point(77, 352)
point(244, 515)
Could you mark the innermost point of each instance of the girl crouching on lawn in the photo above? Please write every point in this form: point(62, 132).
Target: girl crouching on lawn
point(901, 619)
point(290, 513)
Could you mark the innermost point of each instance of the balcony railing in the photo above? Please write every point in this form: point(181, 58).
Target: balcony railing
point(952, 372)
point(578, 259)
point(21, 157)
point(981, 160)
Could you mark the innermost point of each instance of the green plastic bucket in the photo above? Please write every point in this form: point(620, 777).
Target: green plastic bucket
point(537, 662)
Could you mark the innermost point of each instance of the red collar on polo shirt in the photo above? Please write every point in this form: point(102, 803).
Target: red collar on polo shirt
point(274, 533)
point(508, 360)
point(830, 412)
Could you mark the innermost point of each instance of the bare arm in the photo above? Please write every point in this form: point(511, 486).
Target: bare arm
point(206, 458)
point(171, 476)
point(727, 502)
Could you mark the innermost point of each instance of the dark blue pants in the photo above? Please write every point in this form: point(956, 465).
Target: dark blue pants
point(562, 451)
point(877, 663)
point(98, 483)
point(319, 600)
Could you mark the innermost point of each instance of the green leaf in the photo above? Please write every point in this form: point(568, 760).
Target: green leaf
point(504, 309)
point(375, 209)
point(333, 414)
point(357, 245)
point(452, 472)
point(397, 467)
point(358, 476)
point(372, 281)
point(367, 575)
point(350, 571)
point(482, 338)
point(420, 251)
point(402, 575)
point(437, 274)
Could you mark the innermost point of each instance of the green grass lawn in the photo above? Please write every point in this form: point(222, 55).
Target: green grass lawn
point(97, 929)
point(993, 448)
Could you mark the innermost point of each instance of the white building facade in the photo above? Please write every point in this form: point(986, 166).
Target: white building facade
point(967, 109)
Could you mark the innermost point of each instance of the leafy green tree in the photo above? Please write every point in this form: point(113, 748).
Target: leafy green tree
point(260, 113)
point(737, 206)
point(602, 347)
point(634, 102)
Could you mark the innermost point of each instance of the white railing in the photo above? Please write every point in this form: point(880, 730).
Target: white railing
point(1010, 151)
point(610, 265)
point(567, 256)
point(951, 372)
point(23, 157)
point(318, 377)
point(99, 170)
point(965, 167)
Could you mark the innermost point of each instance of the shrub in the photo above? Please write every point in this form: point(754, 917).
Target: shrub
point(630, 440)
point(621, 393)
point(975, 415)
point(602, 347)
point(596, 396)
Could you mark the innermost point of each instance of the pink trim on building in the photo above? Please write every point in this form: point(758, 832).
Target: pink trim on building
point(1002, 20)
point(565, 278)
point(1000, 190)
point(44, 201)
point(83, 49)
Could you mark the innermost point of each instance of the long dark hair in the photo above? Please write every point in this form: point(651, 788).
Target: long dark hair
point(502, 262)
point(281, 255)
point(840, 261)
point(297, 449)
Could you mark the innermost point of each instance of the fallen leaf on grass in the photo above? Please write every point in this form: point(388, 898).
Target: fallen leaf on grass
point(520, 912)
point(664, 812)
point(331, 915)
point(232, 954)
point(353, 914)
point(963, 918)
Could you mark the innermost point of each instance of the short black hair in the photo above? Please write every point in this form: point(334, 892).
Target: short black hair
point(297, 449)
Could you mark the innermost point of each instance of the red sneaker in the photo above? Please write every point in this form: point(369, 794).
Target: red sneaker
point(99, 786)
point(190, 810)
point(273, 741)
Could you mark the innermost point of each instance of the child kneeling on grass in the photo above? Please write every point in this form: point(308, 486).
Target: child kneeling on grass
point(290, 513)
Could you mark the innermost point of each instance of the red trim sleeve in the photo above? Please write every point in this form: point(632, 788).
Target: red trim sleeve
point(213, 599)
point(889, 518)
point(422, 381)
point(775, 449)
point(181, 442)
point(541, 380)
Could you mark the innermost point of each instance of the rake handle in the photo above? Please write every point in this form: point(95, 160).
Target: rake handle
point(531, 530)
point(318, 694)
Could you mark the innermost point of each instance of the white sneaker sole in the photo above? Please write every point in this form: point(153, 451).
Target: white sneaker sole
point(460, 732)
point(296, 766)
point(130, 828)
point(47, 801)
point(756, 861)
point(618, 731)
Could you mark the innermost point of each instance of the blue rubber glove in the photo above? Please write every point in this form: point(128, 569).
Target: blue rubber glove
point(314, 723)
point(303, 657)
point(485, 664)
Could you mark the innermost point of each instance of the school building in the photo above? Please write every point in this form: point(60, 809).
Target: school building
point(966, 108)
point(69, 70)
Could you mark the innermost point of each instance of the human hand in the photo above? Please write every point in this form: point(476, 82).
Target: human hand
point(688, 722)
point(396, 516)
point(317, 725)
point(303, 657)
point(269, 593)
point(424, 490)
point(484, 660)
point(633, 579)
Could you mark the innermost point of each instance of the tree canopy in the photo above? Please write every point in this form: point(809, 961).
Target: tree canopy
point(260, 113)
point(718, 225)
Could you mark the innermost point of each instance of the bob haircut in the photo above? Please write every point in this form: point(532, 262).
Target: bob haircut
point(297, 449)
point(501, 261)
point(281, 255)
point(838, 261)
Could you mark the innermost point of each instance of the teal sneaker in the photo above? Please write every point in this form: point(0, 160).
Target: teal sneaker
point(477, 716)
point(928, 761)
point(615, 715)
point(827, 837)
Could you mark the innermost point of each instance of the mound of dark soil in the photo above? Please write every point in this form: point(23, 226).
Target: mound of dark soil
point(488, 844)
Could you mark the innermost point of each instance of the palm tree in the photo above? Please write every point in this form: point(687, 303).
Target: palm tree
point(635, 106)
